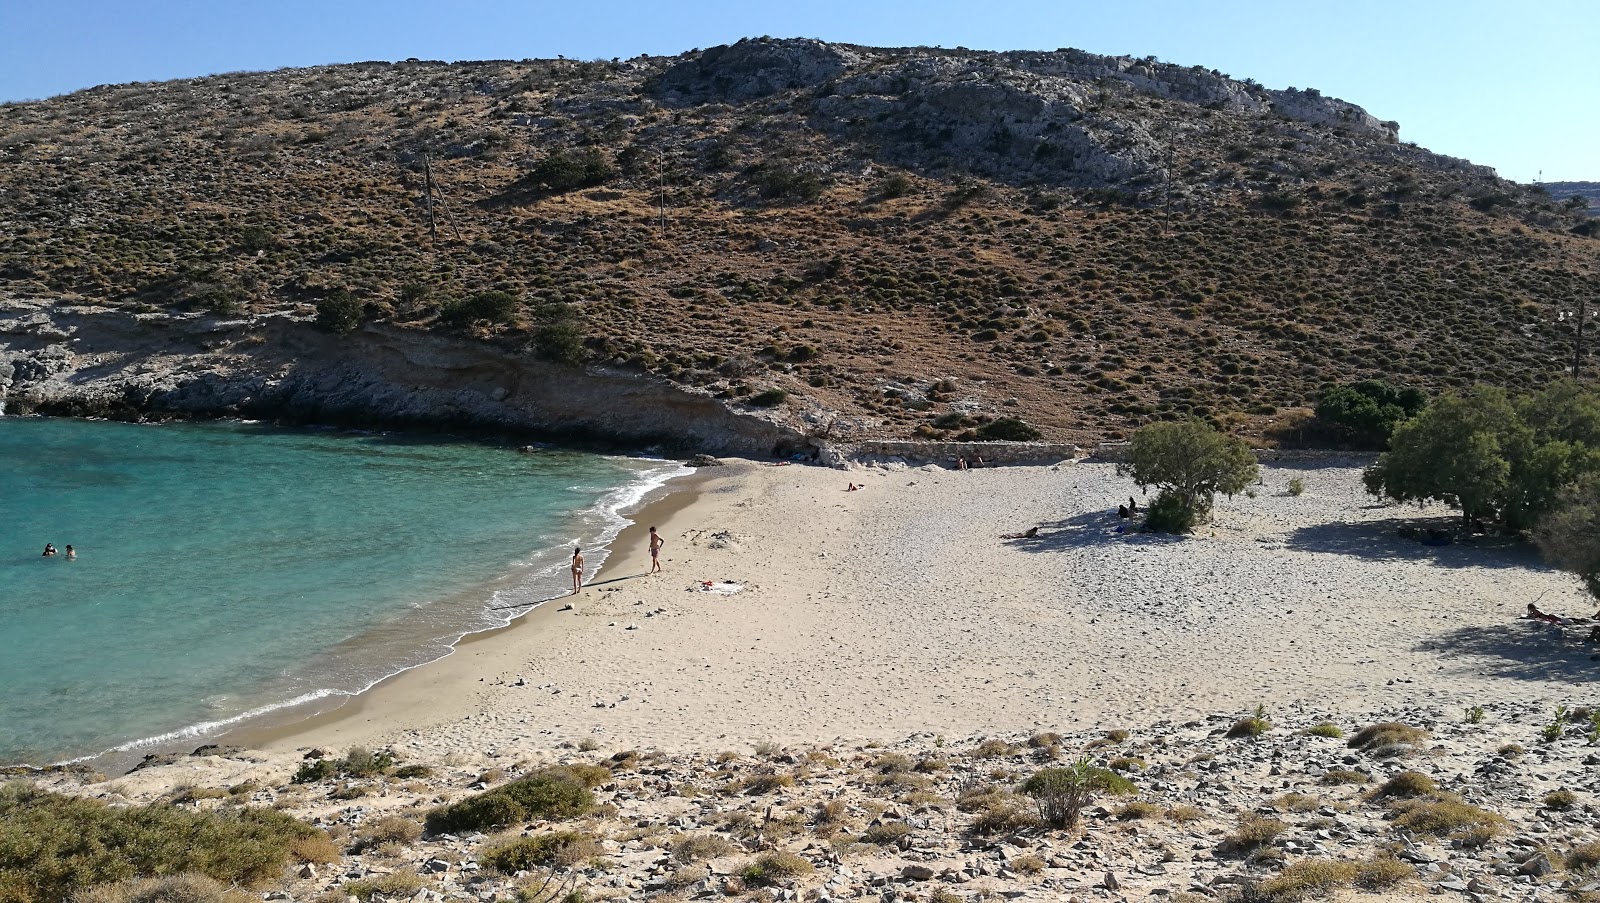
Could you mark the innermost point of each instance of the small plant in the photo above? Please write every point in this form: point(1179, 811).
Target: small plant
point(1296, 802)
point(1387, 738)
point(992, 748)
point(1253, 725)
point(1326, 729)
point(1252, 833)
point(561, 849)
point(387, 829)
point(1028, 864)
point(1443, 814)
point(1008, 429)
point(771, 868)
point(396, 886)
point(770, 398)
point(1560, 800)
point(1061, 793)
point(886, 833)
point(1552, 732)
point(1584, 858)
point(1475, 715)
point(1138, 810)
point(1407, 784)
point(1336, 776)
point(1184, 814)
point(1297, 487)
point(696, 847)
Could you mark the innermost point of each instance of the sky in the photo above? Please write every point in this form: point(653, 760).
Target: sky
point(1513, 84)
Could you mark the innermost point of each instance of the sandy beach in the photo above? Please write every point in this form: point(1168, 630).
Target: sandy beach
point(898, 609)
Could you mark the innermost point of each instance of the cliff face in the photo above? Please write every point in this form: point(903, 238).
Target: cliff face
point(95, 361)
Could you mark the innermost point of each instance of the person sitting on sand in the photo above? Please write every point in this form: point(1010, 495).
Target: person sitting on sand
point(577, 570)
point(854, 487)
point(71, 555)
point(1031, 533)
point(656, 542)
point(1534, 614)
point(49, 550)
point(977, 460)
point(961, 463)
point(1122, 511)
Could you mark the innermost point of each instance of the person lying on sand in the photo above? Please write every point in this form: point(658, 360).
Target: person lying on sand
point(1032, 532)
point(1534, 614)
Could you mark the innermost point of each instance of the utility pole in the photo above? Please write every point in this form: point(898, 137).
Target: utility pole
point(427, 202)
point(1577, 344)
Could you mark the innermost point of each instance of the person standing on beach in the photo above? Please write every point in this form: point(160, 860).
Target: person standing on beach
point(577, 570)
point(656, 542)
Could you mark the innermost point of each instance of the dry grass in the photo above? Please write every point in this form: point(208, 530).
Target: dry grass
point(1252, 833)
point(1296, 802)
point(771, 868)
point(1447, 815)
point(1184, 814)
point(1137, 810)
point(1405, 785)
point(1388, 738)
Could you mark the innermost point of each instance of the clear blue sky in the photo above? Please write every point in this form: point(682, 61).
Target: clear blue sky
point(1514, 85)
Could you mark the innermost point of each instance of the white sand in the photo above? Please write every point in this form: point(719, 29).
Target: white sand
point(897, 609)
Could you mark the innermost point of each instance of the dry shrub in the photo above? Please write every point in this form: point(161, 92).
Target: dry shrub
point(1137, 810)
point(1184, 814)
point(1407, 784)
point(396, 885)
point(1296, 802)
point(560, 849)
point(892, 763)
point(1045, 740)
point(771, 868)
point(761, 784)
point(1325, 729)
point(1446, 814)
point(1388, 738)
point(697, 847)
point(992, 749)
point(1583, 858)
point(1336, 776)
point(387, 829)
point(185, 888)
point(1028, 864)
point(1253, 832)
point(886, 833)
point(1560, 800)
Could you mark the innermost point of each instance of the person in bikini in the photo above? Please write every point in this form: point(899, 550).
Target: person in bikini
point(577, 570)
point(656, 542)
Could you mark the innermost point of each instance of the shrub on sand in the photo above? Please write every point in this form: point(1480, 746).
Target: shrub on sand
point(1388, 738)
point(1407, 784)
point(771, 868)
point(553, 794)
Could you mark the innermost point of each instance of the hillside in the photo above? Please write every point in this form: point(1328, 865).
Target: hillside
point(1589, 192)
point(906, 241)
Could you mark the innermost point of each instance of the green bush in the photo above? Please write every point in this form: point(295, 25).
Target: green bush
point(186, 888)
point(497, 308)
point(566, 170)
point(1171, 513)
point(781, 181)
point(771, 398)
point(895, 185)
point(1061, 793)
point(338, 311)
point(559, 336)
point(1008, 429)
point(1190, 463)
point(554, 794)
point(1364, 414)
point(52, 846)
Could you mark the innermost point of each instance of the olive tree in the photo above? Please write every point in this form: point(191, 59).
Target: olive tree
point(1189, 463)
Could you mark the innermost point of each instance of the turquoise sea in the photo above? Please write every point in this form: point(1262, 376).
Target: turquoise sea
point(225, 570)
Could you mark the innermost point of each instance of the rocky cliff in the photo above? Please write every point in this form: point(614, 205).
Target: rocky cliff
point(93, 361)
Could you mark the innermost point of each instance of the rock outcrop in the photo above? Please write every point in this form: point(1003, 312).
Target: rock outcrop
point(98, 361)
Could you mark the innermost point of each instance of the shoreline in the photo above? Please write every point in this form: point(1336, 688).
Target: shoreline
point(401, 690)
point(311, 707)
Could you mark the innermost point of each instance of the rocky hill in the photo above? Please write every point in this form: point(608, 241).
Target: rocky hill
point(856, 241)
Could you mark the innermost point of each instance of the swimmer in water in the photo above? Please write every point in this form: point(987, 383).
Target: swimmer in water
point(49, 550)
point(71, 555)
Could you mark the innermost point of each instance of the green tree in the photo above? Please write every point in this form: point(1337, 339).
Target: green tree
point(494, 307)
point(1190, 463)
point(1457, 451)
point(1365, 413)
point(1569, 536)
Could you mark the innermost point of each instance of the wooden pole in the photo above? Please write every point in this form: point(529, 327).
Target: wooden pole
point(427, 201)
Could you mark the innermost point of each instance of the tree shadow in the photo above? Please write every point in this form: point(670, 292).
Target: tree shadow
point(1090, 528)
point(1522, 650)
point(1379, 540)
